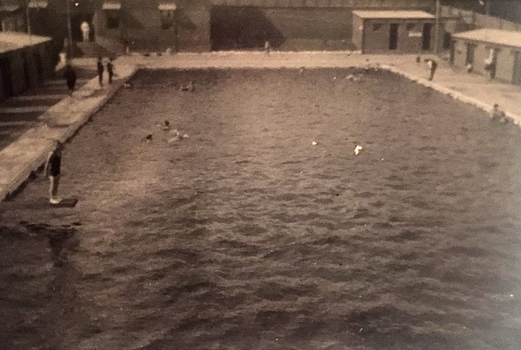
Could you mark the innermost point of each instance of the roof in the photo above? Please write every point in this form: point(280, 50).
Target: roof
point(111, 5)
point(10, 41)
point(167, 6)
point(375, 14)
point(38, 4)
point(494, 36)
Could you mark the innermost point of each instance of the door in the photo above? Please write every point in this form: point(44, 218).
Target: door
point(393, 36)
point(471, 48)
point(452, 51)
point(7, 83)
point(426, 36)
point(39, 67)
point(516, 78)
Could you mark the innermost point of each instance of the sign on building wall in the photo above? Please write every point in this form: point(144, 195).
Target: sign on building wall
point(415, 34)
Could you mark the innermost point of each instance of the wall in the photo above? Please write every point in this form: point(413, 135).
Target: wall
point(250, 27)
point(194, 29)
point(378, 41)
point(505, 64)
point(140, 26)
point(475, 20)
point(480, 55)
point(293, 19)
point(16, 62)
point(410, 41)
point(358, 31)
point(416, 4)
point(17, 72)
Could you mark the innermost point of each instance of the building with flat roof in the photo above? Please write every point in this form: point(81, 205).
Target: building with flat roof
point(25, 61)
point(378, 31)
point(500, 50)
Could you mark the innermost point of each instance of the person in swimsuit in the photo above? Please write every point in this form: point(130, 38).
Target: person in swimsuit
point(52, 169)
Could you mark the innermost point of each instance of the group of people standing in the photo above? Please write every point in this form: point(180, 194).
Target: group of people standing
point(101, 68)
point(71, 76)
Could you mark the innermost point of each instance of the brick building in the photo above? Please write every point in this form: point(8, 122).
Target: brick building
point(203, 25)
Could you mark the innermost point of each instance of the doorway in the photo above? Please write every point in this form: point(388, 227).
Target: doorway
point(471, 49)
point(27, 75)
point(7, 82)
point(76, 21)
point(393, 36)
point(426, 36)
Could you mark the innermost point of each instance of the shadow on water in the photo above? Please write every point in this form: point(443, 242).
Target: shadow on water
point(52, 297)
point(235, 28)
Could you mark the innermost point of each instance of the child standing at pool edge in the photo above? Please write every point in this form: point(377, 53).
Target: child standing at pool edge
point(52, 169)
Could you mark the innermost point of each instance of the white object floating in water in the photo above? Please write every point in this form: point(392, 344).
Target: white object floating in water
point(358, 148)
point(314, 143)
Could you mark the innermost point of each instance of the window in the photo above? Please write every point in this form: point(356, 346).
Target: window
point(112, 21)
point(410, 27)
point(377, 26)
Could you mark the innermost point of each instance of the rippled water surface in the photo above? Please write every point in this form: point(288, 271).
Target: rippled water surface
point(246, 235)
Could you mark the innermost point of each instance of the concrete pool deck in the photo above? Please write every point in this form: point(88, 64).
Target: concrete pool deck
point(24, 156)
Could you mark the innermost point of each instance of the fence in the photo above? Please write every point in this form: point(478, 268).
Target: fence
point(478, 20)
point(377, 4)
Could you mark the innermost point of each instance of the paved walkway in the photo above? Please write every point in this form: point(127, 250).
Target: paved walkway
point(59, 122)
point(20, 113)
point(29, 151)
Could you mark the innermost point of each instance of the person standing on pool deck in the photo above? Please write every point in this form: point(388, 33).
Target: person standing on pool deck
point(110, 70)
point(432, 67)
point(267, 47)
point(52, 169)
point(100, 70)
point(70, 77)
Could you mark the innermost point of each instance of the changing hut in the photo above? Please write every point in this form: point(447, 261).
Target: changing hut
point(399, 31)
point(477, 48)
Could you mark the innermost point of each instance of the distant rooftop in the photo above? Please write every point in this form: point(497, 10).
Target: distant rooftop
point(376, 14)
point(10, 41)
point(493, 36)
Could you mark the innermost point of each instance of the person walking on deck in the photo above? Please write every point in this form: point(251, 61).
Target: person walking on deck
point(70, 77)
point(432, 67)
point(100, 70)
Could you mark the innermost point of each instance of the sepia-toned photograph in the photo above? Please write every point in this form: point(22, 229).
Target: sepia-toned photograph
point(260, 174)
